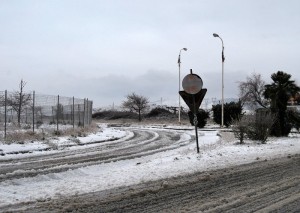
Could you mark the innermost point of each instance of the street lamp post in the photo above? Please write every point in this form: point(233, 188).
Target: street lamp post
point(179, 62)
point(223, 59)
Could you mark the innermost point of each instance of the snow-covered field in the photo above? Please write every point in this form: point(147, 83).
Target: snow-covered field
point(217, 150)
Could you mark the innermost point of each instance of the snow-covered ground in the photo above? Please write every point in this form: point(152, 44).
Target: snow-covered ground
point(215, 152)
point(31, 148)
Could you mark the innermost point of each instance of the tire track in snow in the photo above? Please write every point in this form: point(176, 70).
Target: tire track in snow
point(142, 142)
point(266, 186)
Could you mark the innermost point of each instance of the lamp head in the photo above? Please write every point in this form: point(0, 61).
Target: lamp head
point(185, 49)
point(215, 35)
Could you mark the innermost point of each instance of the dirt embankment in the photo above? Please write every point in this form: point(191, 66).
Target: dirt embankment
point(267, 186)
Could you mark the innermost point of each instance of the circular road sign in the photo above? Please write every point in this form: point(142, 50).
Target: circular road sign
point(192, 83)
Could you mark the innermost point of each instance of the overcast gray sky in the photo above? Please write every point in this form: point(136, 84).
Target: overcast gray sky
point(105, 49)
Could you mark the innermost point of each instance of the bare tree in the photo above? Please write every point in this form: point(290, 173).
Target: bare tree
point(19, 100)
point(136, 103)
point(252, 91)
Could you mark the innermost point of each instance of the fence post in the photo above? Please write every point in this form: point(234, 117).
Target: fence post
point(5, 113)
point(33, 106)
point(87, 112)
point(57, 111)
point(91, 111)
point(78, 110)
point(26, 116)
point(73, 115)
point(84, 113)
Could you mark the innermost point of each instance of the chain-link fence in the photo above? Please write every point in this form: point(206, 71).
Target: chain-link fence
point(31, 110)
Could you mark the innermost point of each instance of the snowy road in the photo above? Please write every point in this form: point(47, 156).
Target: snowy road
point(152, 168)
point(137, 142)
point(259, 187)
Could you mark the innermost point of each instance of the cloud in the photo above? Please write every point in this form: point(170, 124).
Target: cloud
point(103, 50)
point(154, 84)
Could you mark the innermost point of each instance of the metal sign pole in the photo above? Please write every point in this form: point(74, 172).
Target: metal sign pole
point(193, 95)
point(196, 123)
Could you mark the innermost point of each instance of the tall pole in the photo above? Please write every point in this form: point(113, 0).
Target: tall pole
point(179, 62)
point(57, 115)
point(223, 59)
point(33, 110)
point(73, 114)
point(5, 113)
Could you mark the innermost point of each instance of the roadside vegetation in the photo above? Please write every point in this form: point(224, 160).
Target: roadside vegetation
point(272, 113)
point(269, 112)
point(22, 136)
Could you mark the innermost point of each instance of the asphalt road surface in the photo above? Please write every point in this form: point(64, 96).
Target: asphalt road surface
point(266, 186)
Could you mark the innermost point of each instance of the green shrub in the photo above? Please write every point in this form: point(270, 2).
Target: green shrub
point(158, 111)
point(232, 111)
point(255, 127)
point(278, 130)
point(112, 115)
point(202, 117)
point(260, 125)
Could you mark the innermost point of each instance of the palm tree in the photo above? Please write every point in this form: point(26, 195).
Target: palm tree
point(279, 93)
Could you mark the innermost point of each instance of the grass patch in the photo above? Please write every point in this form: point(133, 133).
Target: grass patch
point(21, 136)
